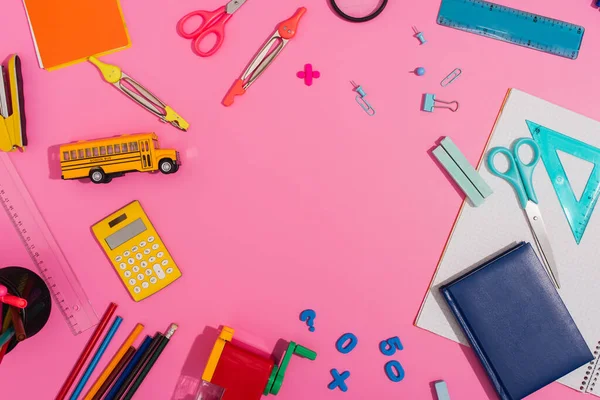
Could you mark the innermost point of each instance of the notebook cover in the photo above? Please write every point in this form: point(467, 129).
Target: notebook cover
point(69, 31)
point(517, 323)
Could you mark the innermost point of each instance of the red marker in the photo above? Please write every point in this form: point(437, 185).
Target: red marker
point(13, 301)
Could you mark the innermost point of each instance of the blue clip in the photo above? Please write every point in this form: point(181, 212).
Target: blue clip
point(360, 99)
point(430, 100)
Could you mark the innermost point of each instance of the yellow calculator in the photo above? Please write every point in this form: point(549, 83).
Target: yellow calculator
point(136, 251)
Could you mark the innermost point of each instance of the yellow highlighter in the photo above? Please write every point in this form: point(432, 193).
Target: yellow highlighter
point(136, 92)
point(136, 251)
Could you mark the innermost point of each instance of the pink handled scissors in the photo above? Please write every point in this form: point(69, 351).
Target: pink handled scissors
point(212, 23)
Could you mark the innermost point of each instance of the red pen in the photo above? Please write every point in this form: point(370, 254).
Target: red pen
point(13, 301)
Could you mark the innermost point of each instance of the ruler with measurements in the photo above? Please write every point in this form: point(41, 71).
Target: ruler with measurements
point(46, 255)
point(513, 26)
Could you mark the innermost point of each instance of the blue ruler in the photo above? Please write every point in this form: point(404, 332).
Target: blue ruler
point(512, 26)
point(577, 211)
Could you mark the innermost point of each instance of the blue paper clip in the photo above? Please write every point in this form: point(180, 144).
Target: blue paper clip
point(360, 99)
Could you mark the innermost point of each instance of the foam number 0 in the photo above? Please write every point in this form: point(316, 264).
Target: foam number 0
point(389, 347)
point(394, 371)
point(346, 343)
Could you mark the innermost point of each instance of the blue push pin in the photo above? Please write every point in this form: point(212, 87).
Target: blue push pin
point(421, 71)
point(419, 35)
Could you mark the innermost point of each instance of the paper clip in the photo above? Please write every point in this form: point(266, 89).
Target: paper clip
point(360, 99)
point(451, 77)
point(430, 100)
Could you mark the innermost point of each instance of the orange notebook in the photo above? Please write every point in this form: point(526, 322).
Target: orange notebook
point(68, 31)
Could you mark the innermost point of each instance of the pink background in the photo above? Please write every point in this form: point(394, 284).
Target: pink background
point(293, 198)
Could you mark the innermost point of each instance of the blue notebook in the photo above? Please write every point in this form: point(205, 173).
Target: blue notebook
point(517, 323)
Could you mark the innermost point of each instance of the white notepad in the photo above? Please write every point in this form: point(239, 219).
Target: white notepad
point(480, 233)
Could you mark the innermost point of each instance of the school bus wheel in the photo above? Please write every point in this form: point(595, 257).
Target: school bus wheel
point(97, 175)
point(167, 166)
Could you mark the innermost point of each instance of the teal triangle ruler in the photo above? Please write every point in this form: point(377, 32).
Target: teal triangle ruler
point(513, 26)
point(577, 211)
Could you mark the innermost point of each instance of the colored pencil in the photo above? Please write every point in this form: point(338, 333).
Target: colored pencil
point(86, 352)
point(7, 336)
point(96, 359)
point(129, 367)
point(115, 360)
point(115, 373)
point(163, 343)
point(13, 301)
point(3, 290)
point(138, 367)
point(18, 324)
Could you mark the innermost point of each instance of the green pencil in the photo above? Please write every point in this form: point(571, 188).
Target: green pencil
point(161, 346)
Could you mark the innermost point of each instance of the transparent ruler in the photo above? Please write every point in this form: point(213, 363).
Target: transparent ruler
point(45, 253)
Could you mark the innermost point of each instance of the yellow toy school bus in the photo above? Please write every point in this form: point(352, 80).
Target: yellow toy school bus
point(103, 159)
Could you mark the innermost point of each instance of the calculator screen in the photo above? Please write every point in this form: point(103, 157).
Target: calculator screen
point(128, 232)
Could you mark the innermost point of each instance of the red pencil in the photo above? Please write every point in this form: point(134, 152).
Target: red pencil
point(13, 301)
point(86, 351)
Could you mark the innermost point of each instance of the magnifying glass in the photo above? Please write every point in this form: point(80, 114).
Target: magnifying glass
point(358, 10)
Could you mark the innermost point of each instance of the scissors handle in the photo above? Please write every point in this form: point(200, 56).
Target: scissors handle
point(511, 175)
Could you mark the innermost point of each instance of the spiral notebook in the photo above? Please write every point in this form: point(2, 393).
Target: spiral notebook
point(479, 233)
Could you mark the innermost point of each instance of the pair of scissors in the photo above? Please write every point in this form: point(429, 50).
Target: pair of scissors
point(212, 23)
point(520, 176)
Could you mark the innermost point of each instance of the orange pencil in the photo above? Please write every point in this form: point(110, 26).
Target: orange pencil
point(18, 324)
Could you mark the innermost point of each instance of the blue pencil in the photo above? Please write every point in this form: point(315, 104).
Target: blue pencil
point(90, 369)
point(130, 366)
point(6, 336)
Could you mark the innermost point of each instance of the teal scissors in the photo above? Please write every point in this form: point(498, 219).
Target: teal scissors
point(519, 175)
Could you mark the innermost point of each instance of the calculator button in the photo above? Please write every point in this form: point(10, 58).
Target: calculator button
point(137, 290)
point(136, 268)
point(148, 272)
point(169, 270)
point(151, 239)
point(153, 280)
point(143, 244)
point(118, 258)
point(164, 262)
point(140, 277)
point(123, 265)
point(144, 264)
point(126, 253)
point(127, 274)
point(155, 246)
point(159, 271)
point(145, 285)
point(152, 259)
point(139, 256)
point(147, 251)
point(132, 281)
point(160, 254)
point(131, 261)
point(134, 249)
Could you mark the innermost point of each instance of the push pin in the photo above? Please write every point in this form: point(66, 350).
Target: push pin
point(420, 71)
point(419, 35)
point(360, 99)
point(430, 100)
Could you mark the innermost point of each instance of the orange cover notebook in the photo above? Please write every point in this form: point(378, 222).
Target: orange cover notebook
point(69, 31)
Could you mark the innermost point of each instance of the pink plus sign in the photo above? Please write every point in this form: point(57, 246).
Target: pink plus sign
point(308, 74)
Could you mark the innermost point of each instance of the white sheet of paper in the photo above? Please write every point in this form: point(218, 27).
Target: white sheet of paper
point(480, 233)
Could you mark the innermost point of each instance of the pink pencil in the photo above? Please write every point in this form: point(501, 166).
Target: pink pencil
point(3, 290)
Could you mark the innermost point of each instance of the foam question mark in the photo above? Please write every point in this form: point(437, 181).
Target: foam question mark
point(309, 316)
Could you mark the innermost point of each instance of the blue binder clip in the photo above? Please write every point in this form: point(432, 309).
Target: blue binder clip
point(360, 99)
point(430, 100)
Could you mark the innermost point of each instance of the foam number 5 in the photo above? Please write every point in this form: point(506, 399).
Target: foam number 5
point(389, 347)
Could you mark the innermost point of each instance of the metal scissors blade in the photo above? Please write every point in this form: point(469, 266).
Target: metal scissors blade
point(233, 6)
point(538, 228)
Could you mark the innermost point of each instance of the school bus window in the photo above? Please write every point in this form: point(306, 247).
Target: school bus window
point(95, 151)
point(66, 156)
point(117, 148)
point(102, 150)
point(124, 147)
point(73, 154)
point(80, 154)
point(109, 150)
point(88, 153)
point(133, 146)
